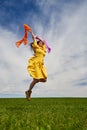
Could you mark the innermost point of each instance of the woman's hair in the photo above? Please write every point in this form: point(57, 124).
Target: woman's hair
point(32, 44)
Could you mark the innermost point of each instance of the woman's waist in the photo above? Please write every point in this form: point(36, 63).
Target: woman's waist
point(39, 56)
point(36, 60)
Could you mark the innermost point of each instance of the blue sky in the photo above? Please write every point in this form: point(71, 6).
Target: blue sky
point(63, 23)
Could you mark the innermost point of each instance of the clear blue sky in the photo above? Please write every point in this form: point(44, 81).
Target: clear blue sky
point(63, 23)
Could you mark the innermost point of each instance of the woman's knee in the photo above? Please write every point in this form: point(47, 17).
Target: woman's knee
point(36, 80)
point(43, 80)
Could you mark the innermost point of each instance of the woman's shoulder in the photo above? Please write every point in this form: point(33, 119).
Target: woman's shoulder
point(34, 44)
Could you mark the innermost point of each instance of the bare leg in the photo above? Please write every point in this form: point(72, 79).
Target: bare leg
point(28, 93)
point(33, 83)
point(42, 80)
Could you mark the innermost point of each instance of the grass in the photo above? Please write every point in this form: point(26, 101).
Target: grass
point(43, 114)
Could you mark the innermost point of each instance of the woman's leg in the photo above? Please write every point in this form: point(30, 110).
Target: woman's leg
point(33, 83)
point(28, 93)
point(43, 80)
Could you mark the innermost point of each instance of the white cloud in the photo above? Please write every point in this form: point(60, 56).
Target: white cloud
point(13, 62)
point(67, 63)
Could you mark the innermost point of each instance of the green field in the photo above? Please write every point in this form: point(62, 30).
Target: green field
point(43, 114)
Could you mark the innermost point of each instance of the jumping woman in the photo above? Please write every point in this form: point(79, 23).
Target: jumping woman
point(36, 66)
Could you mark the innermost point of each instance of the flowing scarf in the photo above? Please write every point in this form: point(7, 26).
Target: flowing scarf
point(25, 37)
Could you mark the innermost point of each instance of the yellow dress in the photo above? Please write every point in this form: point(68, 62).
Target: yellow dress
point(36, 66)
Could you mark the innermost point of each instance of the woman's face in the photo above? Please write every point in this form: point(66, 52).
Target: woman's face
point(40, 44)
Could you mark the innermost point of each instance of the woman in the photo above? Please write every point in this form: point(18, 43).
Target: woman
point(36, 66)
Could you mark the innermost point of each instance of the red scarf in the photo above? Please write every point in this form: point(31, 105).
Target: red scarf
point(24, 39)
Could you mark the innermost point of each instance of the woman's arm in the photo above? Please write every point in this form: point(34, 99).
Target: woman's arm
point(33, 37)
point(34, 40)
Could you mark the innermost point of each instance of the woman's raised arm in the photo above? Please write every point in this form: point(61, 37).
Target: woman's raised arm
point(33, 36)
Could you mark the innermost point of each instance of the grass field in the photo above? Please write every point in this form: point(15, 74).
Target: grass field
point(43, 114)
